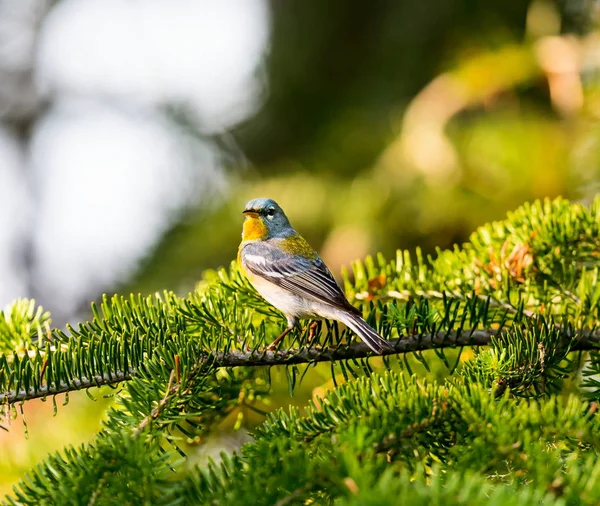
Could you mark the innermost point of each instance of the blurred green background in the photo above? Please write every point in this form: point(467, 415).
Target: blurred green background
point(381, 125)
point(399, 124)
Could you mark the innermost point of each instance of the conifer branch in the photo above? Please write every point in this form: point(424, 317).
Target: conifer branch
point(528, 288)
point(581, 340)
point(76, 384)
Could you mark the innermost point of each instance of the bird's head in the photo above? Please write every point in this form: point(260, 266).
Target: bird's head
point(264, 220)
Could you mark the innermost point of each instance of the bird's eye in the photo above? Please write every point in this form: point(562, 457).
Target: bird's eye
point(271, 212)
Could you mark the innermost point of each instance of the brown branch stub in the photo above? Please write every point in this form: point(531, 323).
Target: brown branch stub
point(44, 365)
point(177, 369)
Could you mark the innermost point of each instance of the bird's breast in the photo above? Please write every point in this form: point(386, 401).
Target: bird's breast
point(254, 229)
point(284, 300)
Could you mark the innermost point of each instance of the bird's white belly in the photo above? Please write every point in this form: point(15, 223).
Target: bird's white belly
point(287, 302)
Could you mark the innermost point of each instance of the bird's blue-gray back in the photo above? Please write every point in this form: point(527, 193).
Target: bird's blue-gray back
point(305, 277)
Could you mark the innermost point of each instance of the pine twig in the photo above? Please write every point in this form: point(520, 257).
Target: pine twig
point(156, 411)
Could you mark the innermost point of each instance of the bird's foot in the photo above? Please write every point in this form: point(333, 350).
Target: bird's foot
point(273, 345)
point(312, 330)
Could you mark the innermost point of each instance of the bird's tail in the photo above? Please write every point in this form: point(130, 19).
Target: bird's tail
point(371, 338)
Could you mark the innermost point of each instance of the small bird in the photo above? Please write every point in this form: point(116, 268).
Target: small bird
point(289, 274)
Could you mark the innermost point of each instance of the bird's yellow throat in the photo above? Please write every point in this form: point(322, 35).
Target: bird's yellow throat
point(254, 229)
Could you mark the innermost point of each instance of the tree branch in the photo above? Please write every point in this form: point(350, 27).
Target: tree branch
point(578, 341)
point(82, 383)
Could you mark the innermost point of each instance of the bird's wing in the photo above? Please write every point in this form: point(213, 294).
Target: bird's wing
point(306, 277)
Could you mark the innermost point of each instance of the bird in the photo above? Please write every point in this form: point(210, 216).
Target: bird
point(289, 274)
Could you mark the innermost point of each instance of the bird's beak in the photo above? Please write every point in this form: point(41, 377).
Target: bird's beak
point(252, 214)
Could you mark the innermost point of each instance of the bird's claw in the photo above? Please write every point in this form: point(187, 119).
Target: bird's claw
point(273, 345)
point(312, 330)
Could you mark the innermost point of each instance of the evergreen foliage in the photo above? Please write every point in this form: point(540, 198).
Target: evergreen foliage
point(514, 419)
